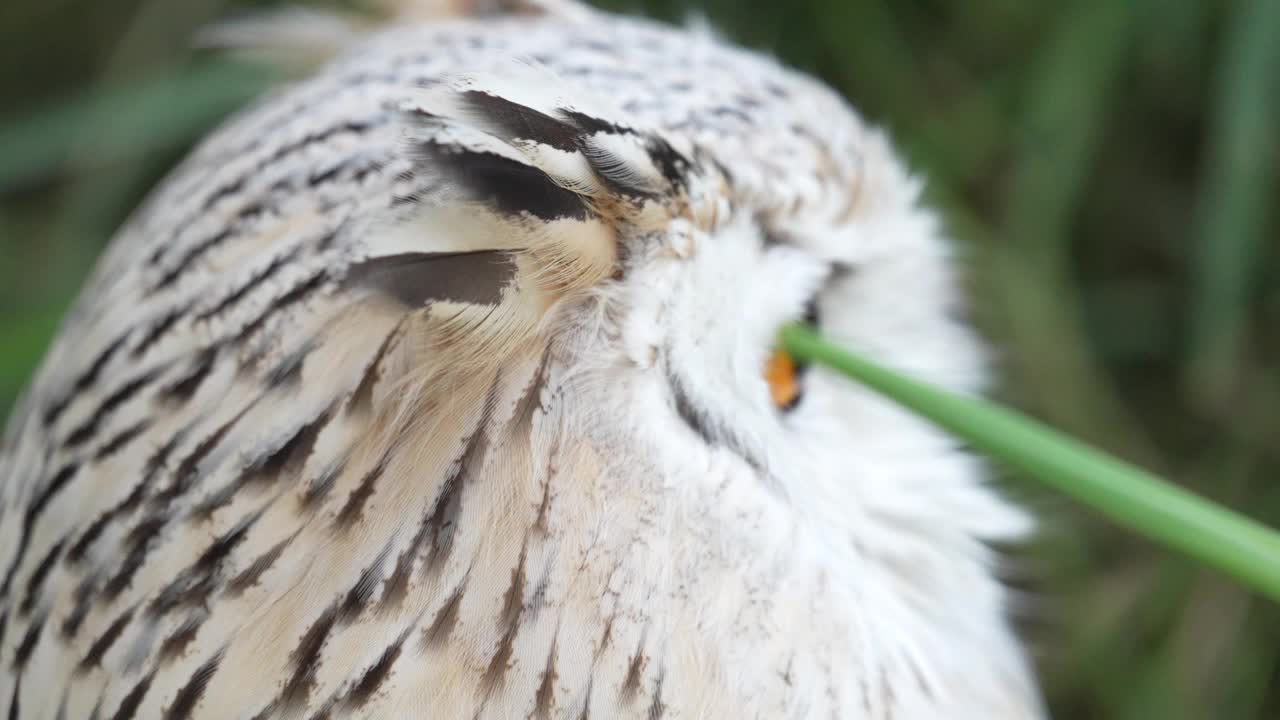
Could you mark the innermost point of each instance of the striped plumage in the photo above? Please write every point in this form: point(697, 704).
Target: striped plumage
point(430, 388)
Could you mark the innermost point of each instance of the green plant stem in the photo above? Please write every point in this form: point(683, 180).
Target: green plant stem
point(1237, 215)
point(1127, 494)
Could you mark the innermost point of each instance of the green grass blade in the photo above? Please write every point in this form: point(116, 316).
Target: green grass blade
point(1239, 194)
point(1127, 494)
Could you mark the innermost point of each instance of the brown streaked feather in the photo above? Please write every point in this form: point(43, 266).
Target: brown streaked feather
point(416, 279)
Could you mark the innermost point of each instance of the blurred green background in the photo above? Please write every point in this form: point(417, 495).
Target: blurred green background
point(1110, 169)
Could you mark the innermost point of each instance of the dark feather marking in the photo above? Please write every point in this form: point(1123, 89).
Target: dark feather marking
point(189, 257)
point(291, 455)
point(417, 279)
point(442, 521)
point(377, 673)
point(733, 112)
point(357, 598)
point(175, 645)
point(412, 198)
point(697, 421)
point(55, 408)
point(138, 543)
point(437, 634)
point(284, 460)
point(586, 703)
point(657, 708)
point(54, 486)
point(591, 125)
point(353, 509)
point(512, 604)
point(87, 378)
point(296, 294)
point(327, 239)
point(128, 504)
point(189, 696)
point(250, 575)
point(83, 596)
point(36, 580)
point(615, 172)
point(131, 702)
point(157, 331)
point(224, 191)
point(194, 584)
point(544, 507)
point(671, 163)
point(15, 710)
point(693, 417)
point(362, 397)
point(353, 126)
point(122, 438)
point(160, 457)
point(606, 638)
point(306, 660)
point(254, 281)
point(99, 648)
point(635, 674)
point(396, 586)
point(34, 510)
point(538, 599)
point(87, 429)
point(513, 599)
point(4, 625)
point(544, 700)
point(320, 178)
point(184, 475)
point(183, 388)
point(289, 369)
point(28, 644)
point(320, 486)
point(237, 184)
point(531, 398)
point(519, 122)
point(509, 186)
point(251, 211)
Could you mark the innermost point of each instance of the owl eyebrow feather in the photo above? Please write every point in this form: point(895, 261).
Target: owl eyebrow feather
point(626, 162)
point(509, 186)
point(520, 122)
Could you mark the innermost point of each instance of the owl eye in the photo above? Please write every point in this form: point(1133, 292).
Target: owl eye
point(784, 375)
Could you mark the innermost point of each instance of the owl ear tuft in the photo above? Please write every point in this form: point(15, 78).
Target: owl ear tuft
point(510, 161)
point(527, 111)
point(507, 186)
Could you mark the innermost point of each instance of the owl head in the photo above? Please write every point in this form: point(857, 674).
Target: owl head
point(658, 219)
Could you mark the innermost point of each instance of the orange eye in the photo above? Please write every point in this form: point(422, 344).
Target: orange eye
point(783, 376)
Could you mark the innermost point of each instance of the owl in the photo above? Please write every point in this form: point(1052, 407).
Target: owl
point(444, 384)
